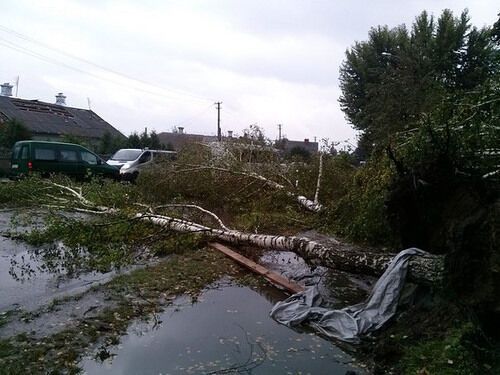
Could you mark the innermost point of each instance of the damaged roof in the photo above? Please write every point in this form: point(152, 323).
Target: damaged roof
point(53, 119)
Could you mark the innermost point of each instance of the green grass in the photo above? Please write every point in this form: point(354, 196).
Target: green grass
point(450, 355)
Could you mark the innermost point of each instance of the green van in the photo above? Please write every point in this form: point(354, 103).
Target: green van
point(56, 157)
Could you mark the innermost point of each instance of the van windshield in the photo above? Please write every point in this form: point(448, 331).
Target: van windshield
point(126, 155)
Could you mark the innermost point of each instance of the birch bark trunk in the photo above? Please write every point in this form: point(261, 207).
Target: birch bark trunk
point(428, 269)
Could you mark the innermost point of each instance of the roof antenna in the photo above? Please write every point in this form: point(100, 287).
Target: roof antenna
point(17, 85)
point(88, 103)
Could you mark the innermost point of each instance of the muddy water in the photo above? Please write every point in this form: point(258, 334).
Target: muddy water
point(18, 287)
point(227, 331)
point(338, 289)
point(24, 280)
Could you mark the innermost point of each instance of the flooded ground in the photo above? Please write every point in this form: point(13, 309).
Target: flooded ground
point(338, 289)
point(221, 329)
point(25, 281)
point(25, 285)
point(227, 331)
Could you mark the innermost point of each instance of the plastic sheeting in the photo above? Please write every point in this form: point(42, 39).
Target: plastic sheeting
point(350, 323)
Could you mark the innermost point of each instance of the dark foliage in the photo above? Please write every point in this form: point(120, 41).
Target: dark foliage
point(12, 131)
point(109, 144)
point(145, 140)
point(398, 76)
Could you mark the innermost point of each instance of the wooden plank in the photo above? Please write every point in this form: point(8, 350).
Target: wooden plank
point(273, 277)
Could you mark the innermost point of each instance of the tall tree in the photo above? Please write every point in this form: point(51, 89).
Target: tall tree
point(134, 141)
point(155, 143)
point(110, 144)
point(396, 77)
point(145, 140)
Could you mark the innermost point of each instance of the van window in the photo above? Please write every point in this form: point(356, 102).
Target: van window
point(68, 155)
point(89, 157)
point(24, 153)
point(15, 152)
point(126, 155)
point(47, 154)
point(145, 157)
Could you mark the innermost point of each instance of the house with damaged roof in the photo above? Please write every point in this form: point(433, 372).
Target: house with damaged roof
point(54, 121)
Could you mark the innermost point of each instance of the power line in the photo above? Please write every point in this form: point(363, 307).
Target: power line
point(88, 62)
point(44, 45)
point(50, 60)
point(187, 120)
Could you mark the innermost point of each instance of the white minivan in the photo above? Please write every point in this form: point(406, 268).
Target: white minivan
point(132, 160)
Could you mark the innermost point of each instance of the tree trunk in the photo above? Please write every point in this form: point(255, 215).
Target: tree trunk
point(428, 269)
point(318, 182)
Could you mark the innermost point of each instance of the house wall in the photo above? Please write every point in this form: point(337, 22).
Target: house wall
point(311, 147)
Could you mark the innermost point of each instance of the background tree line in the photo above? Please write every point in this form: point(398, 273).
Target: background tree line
point(426, 102)
point(396, 78)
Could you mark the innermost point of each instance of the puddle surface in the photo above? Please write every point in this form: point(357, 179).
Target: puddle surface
point(23, 281)
point(338, 289)
point(228, 331)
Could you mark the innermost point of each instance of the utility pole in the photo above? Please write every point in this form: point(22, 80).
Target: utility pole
point(279, 132)
point(219, 133)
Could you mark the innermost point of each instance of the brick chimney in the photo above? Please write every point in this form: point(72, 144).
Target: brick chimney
point(6, 89)
point(61, 99)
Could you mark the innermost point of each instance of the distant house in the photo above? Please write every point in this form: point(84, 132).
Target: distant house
point(54, 122)
point(178, 139)
point(241, 148)
point(289, 146)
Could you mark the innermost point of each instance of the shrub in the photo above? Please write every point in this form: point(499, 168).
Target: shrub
point(359, 213)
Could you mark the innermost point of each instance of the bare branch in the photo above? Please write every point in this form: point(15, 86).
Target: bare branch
point(303, 201)
point(318, 184)
point(210, 213)
point(81, 199)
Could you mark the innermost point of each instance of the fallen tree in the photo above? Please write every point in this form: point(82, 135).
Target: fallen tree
point(310, 205)
point(427, 269)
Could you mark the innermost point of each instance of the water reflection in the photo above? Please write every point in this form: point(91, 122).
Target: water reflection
point(337, 288)
point(33, 276)
point(227, 331)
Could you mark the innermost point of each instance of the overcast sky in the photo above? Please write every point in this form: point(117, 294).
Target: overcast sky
point(267, 61)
